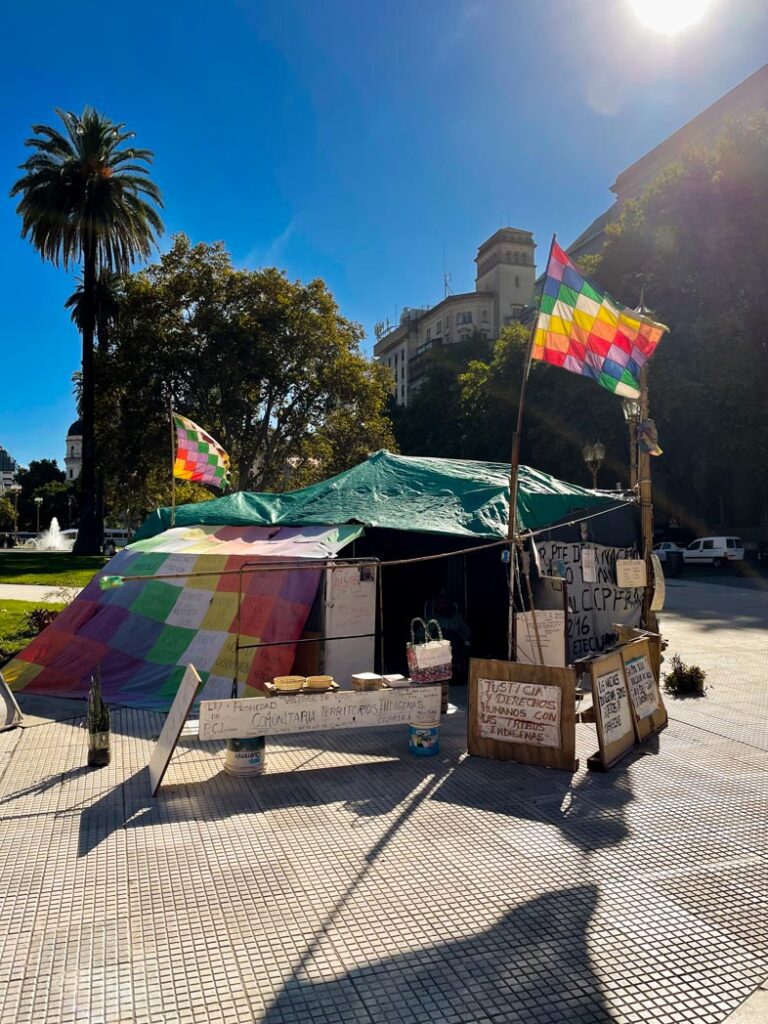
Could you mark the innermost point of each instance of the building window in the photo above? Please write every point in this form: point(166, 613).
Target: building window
point(70, 474)
point(429, 333)
point(402, 391)
point(402, 372)
point(485, 316)
point(439, 326)
point(517, 280)
point(447, 319)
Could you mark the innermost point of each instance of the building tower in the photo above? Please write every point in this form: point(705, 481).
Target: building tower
point(506, 269)
point(73, 458)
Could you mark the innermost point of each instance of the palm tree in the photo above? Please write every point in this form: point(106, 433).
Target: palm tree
point(84, 200)
point(106, 301)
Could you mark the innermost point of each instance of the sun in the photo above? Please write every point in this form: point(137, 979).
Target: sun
point(670, 16)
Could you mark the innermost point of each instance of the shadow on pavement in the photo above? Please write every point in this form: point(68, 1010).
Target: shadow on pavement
point(532, 965)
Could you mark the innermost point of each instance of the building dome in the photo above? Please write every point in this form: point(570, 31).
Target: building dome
point(76, 430)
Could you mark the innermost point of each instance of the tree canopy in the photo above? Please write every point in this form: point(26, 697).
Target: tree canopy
point(85, 198)
point(694, 244)
point(267, 365)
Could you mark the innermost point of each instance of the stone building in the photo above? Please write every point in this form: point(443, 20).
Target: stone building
point(73, 458)
point(504, 283)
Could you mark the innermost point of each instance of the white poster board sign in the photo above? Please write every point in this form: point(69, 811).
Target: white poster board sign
point(174, 723)
point(550, 624)
point(615, 712)
point(350, 608)
point(589, 565)
point(642, 685)
point(630, 572)
point(519, 712)
point(347, 709)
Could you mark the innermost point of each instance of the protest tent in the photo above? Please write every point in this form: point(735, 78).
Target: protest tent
point(391, 508)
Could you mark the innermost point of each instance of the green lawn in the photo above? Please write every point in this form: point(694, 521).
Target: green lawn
point(14, 630)
point(48, 568)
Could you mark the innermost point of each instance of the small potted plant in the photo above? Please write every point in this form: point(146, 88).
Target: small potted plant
point(684, 680)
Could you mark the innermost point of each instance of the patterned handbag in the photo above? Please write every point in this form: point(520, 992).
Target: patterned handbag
point(430, 661)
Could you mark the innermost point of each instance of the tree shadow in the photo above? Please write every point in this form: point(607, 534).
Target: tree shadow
point(532, 964)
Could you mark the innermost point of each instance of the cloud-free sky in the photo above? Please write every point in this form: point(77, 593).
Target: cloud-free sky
point(355, 141)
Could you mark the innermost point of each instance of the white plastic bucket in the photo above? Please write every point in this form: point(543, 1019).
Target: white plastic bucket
point(245, 757)
point(424, 740)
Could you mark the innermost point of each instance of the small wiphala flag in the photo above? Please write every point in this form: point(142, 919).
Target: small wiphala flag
point(584, 330)
point(198, 457)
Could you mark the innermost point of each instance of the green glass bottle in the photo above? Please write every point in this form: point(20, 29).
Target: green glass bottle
point(98, 726)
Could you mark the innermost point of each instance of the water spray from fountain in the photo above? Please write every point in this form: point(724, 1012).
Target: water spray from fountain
point(52, 540)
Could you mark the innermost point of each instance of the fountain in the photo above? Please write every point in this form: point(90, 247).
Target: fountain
point(52, 540)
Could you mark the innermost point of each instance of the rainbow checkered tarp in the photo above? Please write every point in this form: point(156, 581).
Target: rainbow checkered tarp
point(144, 634)
point(585, 331)
point(198, 457)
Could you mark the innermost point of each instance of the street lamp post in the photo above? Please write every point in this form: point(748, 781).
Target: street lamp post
point(15, 490)
point(38, 503)
point(593, 456)
point(631, 409)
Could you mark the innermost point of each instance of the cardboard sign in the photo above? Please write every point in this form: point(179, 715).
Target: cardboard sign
point(641, 672)
point(347, 709)
point(522, 713)
point(613, 713)
point(519, 712)
point(630, 572)
point(550, 624)
point(174, 723)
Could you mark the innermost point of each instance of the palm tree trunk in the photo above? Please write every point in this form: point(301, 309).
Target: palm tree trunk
point(90, 527)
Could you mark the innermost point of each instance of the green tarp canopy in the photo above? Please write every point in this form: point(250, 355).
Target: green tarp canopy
point(397, 492)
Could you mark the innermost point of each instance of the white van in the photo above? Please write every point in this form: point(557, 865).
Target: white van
point(714, 551)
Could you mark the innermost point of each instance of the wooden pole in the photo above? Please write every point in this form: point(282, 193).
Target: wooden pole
point(646, 505)
point(173, 463)
point(513, 477)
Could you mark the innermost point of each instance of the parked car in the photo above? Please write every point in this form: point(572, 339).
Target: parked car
point(715, 551)
point(666, 546)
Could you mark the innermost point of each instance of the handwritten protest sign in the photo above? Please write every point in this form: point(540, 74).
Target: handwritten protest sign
point(641, 670)
point(613, 714)
point(348, 709)
point(522, 713)
point(519, 712)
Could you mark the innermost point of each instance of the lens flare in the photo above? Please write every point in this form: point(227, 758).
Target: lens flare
point(670, 16)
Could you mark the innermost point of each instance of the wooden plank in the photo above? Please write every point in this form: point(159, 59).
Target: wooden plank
point(532, 720)
point(174, 723)
point(346, 709)
point(10, 712)
point(613, 710)
point(642, 675)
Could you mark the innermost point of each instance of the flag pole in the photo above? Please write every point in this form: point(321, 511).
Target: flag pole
point(513, 472)
point(173, 463)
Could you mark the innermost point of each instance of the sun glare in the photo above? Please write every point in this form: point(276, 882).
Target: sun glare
point(670, 16)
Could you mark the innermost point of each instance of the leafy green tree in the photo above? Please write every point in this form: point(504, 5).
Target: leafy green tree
point(87, 200)
point(6, 513)
point(434, 423)
point(267, 365)
point(694, 246)
point(36, 481)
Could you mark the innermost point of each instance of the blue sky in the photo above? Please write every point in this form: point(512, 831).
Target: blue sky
point(351, 141)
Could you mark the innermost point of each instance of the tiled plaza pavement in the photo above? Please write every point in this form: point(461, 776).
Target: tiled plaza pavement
point(353, 883)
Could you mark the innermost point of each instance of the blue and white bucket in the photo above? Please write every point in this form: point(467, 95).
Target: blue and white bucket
point(424, 740)
point(245, 757)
